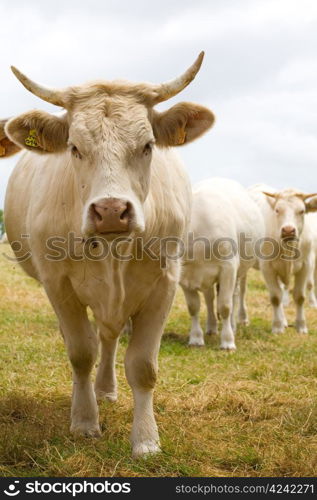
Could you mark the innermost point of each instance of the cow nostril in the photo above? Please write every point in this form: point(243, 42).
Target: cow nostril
point(96, 213)
point(125, 214)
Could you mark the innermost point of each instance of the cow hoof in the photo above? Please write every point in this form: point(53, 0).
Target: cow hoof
point(112, 397)
point(196, 343)
point(302, 329)
point(278, 329)
point(145, 448)
point(86, 430)
point(228, 346)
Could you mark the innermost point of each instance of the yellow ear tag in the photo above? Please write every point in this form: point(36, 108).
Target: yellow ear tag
point(2, 150)
point(31, 139)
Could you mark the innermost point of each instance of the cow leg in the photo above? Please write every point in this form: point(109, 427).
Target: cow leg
point(141, 364)
point(227, 282)
point(299, 299)
point(235, 300)
point(82, 346)
point(243, 314)
point(196, 335)
point(276, 296)
point(211, 324)
point(311, 295)
point(311, 281)
point(106, 380)
point(286, 297)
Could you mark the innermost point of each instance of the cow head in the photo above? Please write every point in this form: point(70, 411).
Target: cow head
point(108, 132)
point(289, 207)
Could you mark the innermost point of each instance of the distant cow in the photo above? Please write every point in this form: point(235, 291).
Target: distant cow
point(225, 226)
point(311, 220)
point(100, 171)
point(287, 249)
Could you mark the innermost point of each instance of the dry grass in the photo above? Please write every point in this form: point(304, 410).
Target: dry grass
point(252, 413)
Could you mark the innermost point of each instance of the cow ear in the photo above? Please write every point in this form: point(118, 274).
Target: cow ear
point(311, 205)
point(39, 132)
point(181, 124)
point(7, 147)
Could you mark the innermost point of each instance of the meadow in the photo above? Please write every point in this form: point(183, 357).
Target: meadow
point(248, 413)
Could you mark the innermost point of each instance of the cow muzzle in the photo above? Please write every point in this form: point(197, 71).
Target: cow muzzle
point(111, 215)
point(288, 232)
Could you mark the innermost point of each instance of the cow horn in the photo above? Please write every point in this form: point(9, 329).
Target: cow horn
point(54, 96)
point(167, 90)
point(305, 196)
point(271, 195)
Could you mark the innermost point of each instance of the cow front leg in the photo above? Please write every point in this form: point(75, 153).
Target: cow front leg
point(312, 300)
point(211, 324)
point(227, 284)
point(106, 380)
point(196, 335)
point(243, 313)
point(276, 297)
point(286, 300)
point(82, 346)
point(299, 299)
point(141, 365)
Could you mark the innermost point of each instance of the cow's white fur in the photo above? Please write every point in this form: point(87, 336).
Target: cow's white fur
point(222, 208)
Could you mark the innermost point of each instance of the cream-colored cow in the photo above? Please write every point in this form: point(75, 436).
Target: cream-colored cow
point(287, 250)
point(100, 171)
point(225, 227)
point(311, 222)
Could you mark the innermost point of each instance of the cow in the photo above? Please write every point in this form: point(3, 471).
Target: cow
point(225, 227)
point(311, 220)
point(100, 174)
point(287, 248)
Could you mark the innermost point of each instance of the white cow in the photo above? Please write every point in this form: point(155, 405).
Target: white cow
point(287, 249)
point(225, 226)
point(311, 220)
point(101, 171)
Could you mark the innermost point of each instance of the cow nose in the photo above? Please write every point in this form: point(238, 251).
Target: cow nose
point(288, 231)
point(111, 215)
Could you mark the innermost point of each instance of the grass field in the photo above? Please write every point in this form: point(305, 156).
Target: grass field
point(249, 413)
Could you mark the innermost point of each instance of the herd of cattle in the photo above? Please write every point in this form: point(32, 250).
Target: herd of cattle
point(103, 170)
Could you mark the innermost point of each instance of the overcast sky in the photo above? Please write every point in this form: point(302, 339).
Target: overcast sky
point(259, 75)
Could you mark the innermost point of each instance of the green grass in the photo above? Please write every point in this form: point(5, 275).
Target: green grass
point(249, 413)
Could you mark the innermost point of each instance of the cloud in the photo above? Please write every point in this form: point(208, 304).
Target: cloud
point(259, 73)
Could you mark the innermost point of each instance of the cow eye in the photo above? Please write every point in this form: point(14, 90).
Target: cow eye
point(277, 211)
point(148, 148)
point(75, 152)
point(301, 212)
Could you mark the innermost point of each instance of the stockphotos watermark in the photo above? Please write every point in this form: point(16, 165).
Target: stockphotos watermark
point(73, 488)
point(127, 248)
